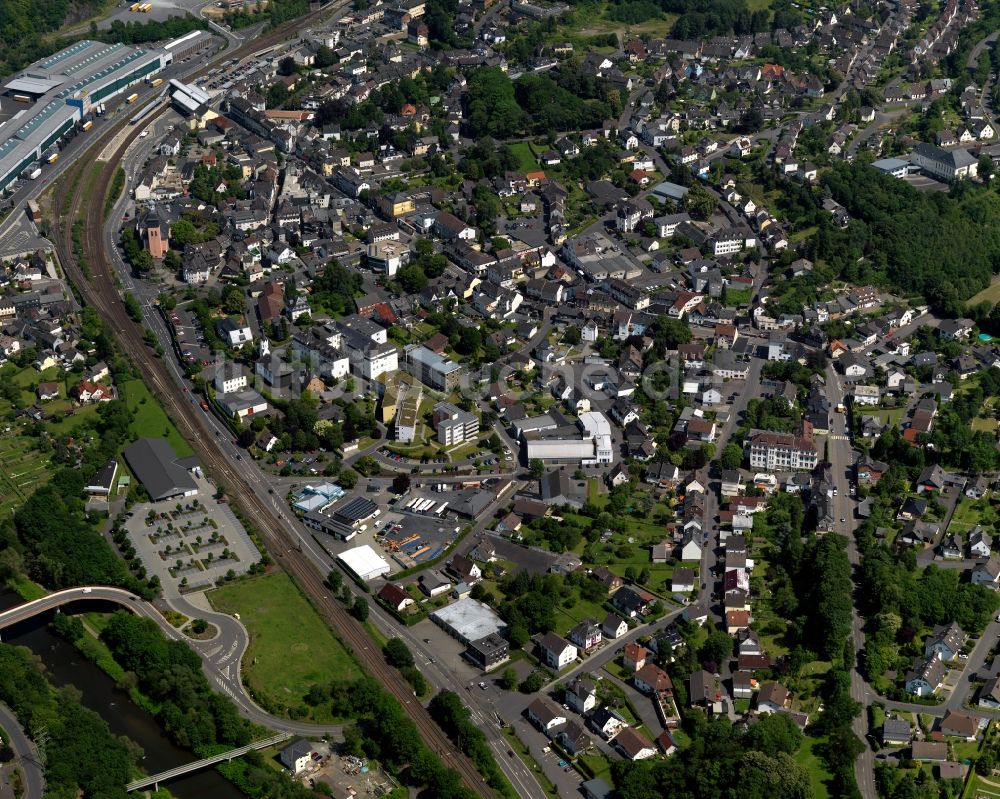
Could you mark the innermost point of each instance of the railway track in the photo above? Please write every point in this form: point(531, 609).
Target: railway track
point(100, 292)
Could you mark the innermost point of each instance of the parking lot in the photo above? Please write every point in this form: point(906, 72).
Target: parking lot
point(925, 183)
point(188, 336)
point(191, 548)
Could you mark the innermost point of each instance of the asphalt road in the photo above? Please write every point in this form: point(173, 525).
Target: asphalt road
point(26, 753)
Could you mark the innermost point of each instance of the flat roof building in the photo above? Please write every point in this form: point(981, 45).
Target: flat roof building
point(364, 563)
point(355, 510)
point(589, 443)
point(454, 425)
point(489, 652)
point(468, 620)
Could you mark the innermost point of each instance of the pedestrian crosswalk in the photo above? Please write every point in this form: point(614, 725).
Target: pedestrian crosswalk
point(840, 438)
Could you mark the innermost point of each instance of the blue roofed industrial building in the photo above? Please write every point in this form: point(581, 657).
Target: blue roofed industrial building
point(60, 91)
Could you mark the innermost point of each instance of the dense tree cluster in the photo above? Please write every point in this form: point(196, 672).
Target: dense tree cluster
point(569, 100)
point(273, 13)
point(84, 758)
point(334, 290)
point(702, 18)
point(722, 761)
point(771, 414)
point(169, 672)
point(206, 180)
point(23, 24)
point(943, 246)
point(151, 31)
point(453, 717)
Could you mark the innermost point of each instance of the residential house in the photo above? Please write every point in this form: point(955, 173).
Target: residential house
point(925, 678)
point(614, 626)
point(556, 651)
point(586, 635)
point(611, 581)
point(945, 642)
point(895, 731)
point(634, 656)
point(979, 543)
point(987, 573)
point(395, 597)
point(581, 695)
point(703, 689)
point(989, 694)
point(607, 722)
point(633, 745)
point(773, 697)
point(573, 738)
point(958, 724)
point(545, 715)
point(651, 679)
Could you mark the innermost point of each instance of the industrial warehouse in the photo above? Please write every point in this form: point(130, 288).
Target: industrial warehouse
point(65, 90)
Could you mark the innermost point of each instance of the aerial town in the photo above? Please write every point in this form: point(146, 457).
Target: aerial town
point(500, 398)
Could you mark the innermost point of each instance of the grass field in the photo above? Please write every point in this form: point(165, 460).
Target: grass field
point(291, 648)
point(526, 161)
point(150, 419)
point(818, 775)
point(991, 294)
point(969, 513)
point(593, 20)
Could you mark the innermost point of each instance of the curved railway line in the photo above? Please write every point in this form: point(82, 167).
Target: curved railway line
point(100, 291)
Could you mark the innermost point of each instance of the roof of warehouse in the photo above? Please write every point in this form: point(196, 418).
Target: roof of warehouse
point(33, 85)
point(364, 560)
point(156, 465)
point(181, 98)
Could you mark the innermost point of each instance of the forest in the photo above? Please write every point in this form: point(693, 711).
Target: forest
point(939, 245)
point(274, 13)
point(169, 672)
point(87, 760)
point(723, 761)
point(24, 23)
point(498, 107)
point(696, 19)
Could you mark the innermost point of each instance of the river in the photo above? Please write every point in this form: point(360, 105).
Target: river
point(65, 666)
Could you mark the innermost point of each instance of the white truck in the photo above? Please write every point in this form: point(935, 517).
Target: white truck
point(35, 173)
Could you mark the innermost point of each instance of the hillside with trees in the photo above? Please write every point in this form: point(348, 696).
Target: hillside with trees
point(894, 229)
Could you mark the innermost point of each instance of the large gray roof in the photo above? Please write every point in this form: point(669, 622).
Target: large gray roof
point(156, 465)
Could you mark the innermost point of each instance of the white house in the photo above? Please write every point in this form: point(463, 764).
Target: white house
point(557, 651)
point(297, 755)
